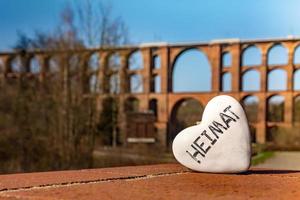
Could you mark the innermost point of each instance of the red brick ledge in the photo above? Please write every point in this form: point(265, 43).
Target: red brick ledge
point(168, 181)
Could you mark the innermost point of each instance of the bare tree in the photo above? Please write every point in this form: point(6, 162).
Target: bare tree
point(97, 26)
point(85, 24)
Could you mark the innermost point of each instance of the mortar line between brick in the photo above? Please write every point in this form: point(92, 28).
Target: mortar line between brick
point(75, 183)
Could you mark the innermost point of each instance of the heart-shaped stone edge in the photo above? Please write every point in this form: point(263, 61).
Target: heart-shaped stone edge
point(205, 113)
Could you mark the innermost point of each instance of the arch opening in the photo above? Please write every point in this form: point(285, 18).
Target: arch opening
point(252, 133)
point(185, 112)
point(74, 63)
point(251, 81)
point(296, 81)
point(226, 82)
point(136, 61)
point(34, 65)
point(16, 64)
point(114, 84)
point(296, 59)
point(191, 72)
point(277, 55)
point(153, 106)
point(271, 133)
point(226, 59)
point(131, 105)
point(250, 104)
point(251, 56)
point(107, 121)
point(277, 80)
point(275, 111)
point(296, 111)
point(155, 84)
point(94, 84)
point(53, 65)
point(136, 83)
point(156, 62)
point(114, 61)
point(94, 62)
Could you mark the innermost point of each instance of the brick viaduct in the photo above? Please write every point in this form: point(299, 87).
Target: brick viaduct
point(165, 56)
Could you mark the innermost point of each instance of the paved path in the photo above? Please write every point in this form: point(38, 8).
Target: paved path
point(283, 160)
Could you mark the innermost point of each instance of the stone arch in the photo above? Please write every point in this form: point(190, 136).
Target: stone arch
point(275, 108)
point(277, 55)
point(250, 104)
point(296, 111)
point(226, 59)
point(94, 62)
point(251, 56)
point(34, 65)
point(251, 80)
point(135, 61)
point(185, 112)
point(136, 83)
point(226, 82)
point(131, 104)
point(153, 106)
point(277, 80)
point(296, 80)
point(191, 66)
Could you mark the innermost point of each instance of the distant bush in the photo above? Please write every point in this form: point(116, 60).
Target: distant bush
point(284, 138)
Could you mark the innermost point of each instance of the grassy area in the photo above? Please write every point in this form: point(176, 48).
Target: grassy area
point(124, 157)
point(261, 157)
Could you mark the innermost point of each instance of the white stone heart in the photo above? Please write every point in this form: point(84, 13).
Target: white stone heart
point(220, 143)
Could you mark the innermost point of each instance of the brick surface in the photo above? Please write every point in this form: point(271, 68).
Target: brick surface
point(27, 180)
point(152, 182)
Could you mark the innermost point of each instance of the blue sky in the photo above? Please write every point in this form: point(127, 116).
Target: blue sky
point(166, 20)
point(196, 20)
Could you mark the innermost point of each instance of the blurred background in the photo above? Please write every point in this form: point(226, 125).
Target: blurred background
point(98, 83)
